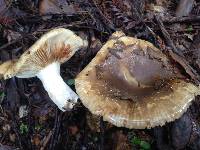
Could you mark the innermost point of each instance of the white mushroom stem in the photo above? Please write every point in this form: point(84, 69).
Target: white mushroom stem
point(61, 94)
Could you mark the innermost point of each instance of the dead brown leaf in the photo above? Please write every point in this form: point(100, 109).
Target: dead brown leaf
point(121, 141)
point(56, 7)
point(36, 140)
point(73, 130)
point(8, 14)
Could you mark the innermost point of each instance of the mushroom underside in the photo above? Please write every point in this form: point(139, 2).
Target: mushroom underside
point(43, 60)
point(57, 45)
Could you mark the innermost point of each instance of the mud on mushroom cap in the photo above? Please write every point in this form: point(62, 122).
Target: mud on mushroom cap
point(133, 84)
point(43, 60)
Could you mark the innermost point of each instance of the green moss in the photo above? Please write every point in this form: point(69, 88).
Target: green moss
point(23, 128)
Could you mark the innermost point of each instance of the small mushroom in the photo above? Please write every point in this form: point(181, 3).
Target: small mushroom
point(43, 60)
point(133, 84)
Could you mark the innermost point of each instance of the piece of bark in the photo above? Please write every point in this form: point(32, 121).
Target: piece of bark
point(13, 98)
point(161, 138)
point(181, 131)
point(183, 64)
point(184, 8)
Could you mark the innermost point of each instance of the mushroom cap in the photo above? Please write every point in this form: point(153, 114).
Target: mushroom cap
point(133, 84)
point(58, 45)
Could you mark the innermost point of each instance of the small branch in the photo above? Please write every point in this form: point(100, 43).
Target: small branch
point(10, 43)
point(46, 140)
point(107, 21)
point(102, 128)
point(176, 55)
point(184, 7)
point(29, 129)
point(56, 129)
point(14, 125)
point(187, 19)
point(167, 36)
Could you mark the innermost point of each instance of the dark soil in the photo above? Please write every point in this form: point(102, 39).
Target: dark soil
point(173, 26)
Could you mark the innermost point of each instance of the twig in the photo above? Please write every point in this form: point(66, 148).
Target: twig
point(102, 128)
point(29, 128)
point(56, 130)
point(184, 7)
point(14, 124)
point(46, 140)
point(187, 19)
point(10, 43)
point(78, 24)
point(13, 109)
point(144, 23)
point(109, 23)
point(51, 147)
point(176, 55)
point(167, 36)
point(37, 18)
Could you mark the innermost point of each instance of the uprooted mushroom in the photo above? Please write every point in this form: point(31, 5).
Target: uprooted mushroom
point(43, 60)
point(133, 84)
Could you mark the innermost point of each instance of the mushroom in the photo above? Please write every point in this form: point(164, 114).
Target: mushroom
point(133, 84)
point(43, 60)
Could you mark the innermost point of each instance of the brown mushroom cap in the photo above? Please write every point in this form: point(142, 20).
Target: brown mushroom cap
point(133, 84)
point(57, 45)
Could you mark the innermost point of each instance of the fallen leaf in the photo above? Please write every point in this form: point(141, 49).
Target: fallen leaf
point(181, 131)
point(73, 130)
point(5, 147)
point(11, 35)
point(9, 13)
point(36, 140)
point(6, 127)
point(184, 8)
point(184, 64)
point(56, 7)
point(13, 98)
point(23, 111)
point(12, 137)
point(120, 141)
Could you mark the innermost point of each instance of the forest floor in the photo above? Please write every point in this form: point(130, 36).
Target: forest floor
point(28, 117)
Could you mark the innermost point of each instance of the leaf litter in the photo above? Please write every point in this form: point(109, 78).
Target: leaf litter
point(29, 120)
